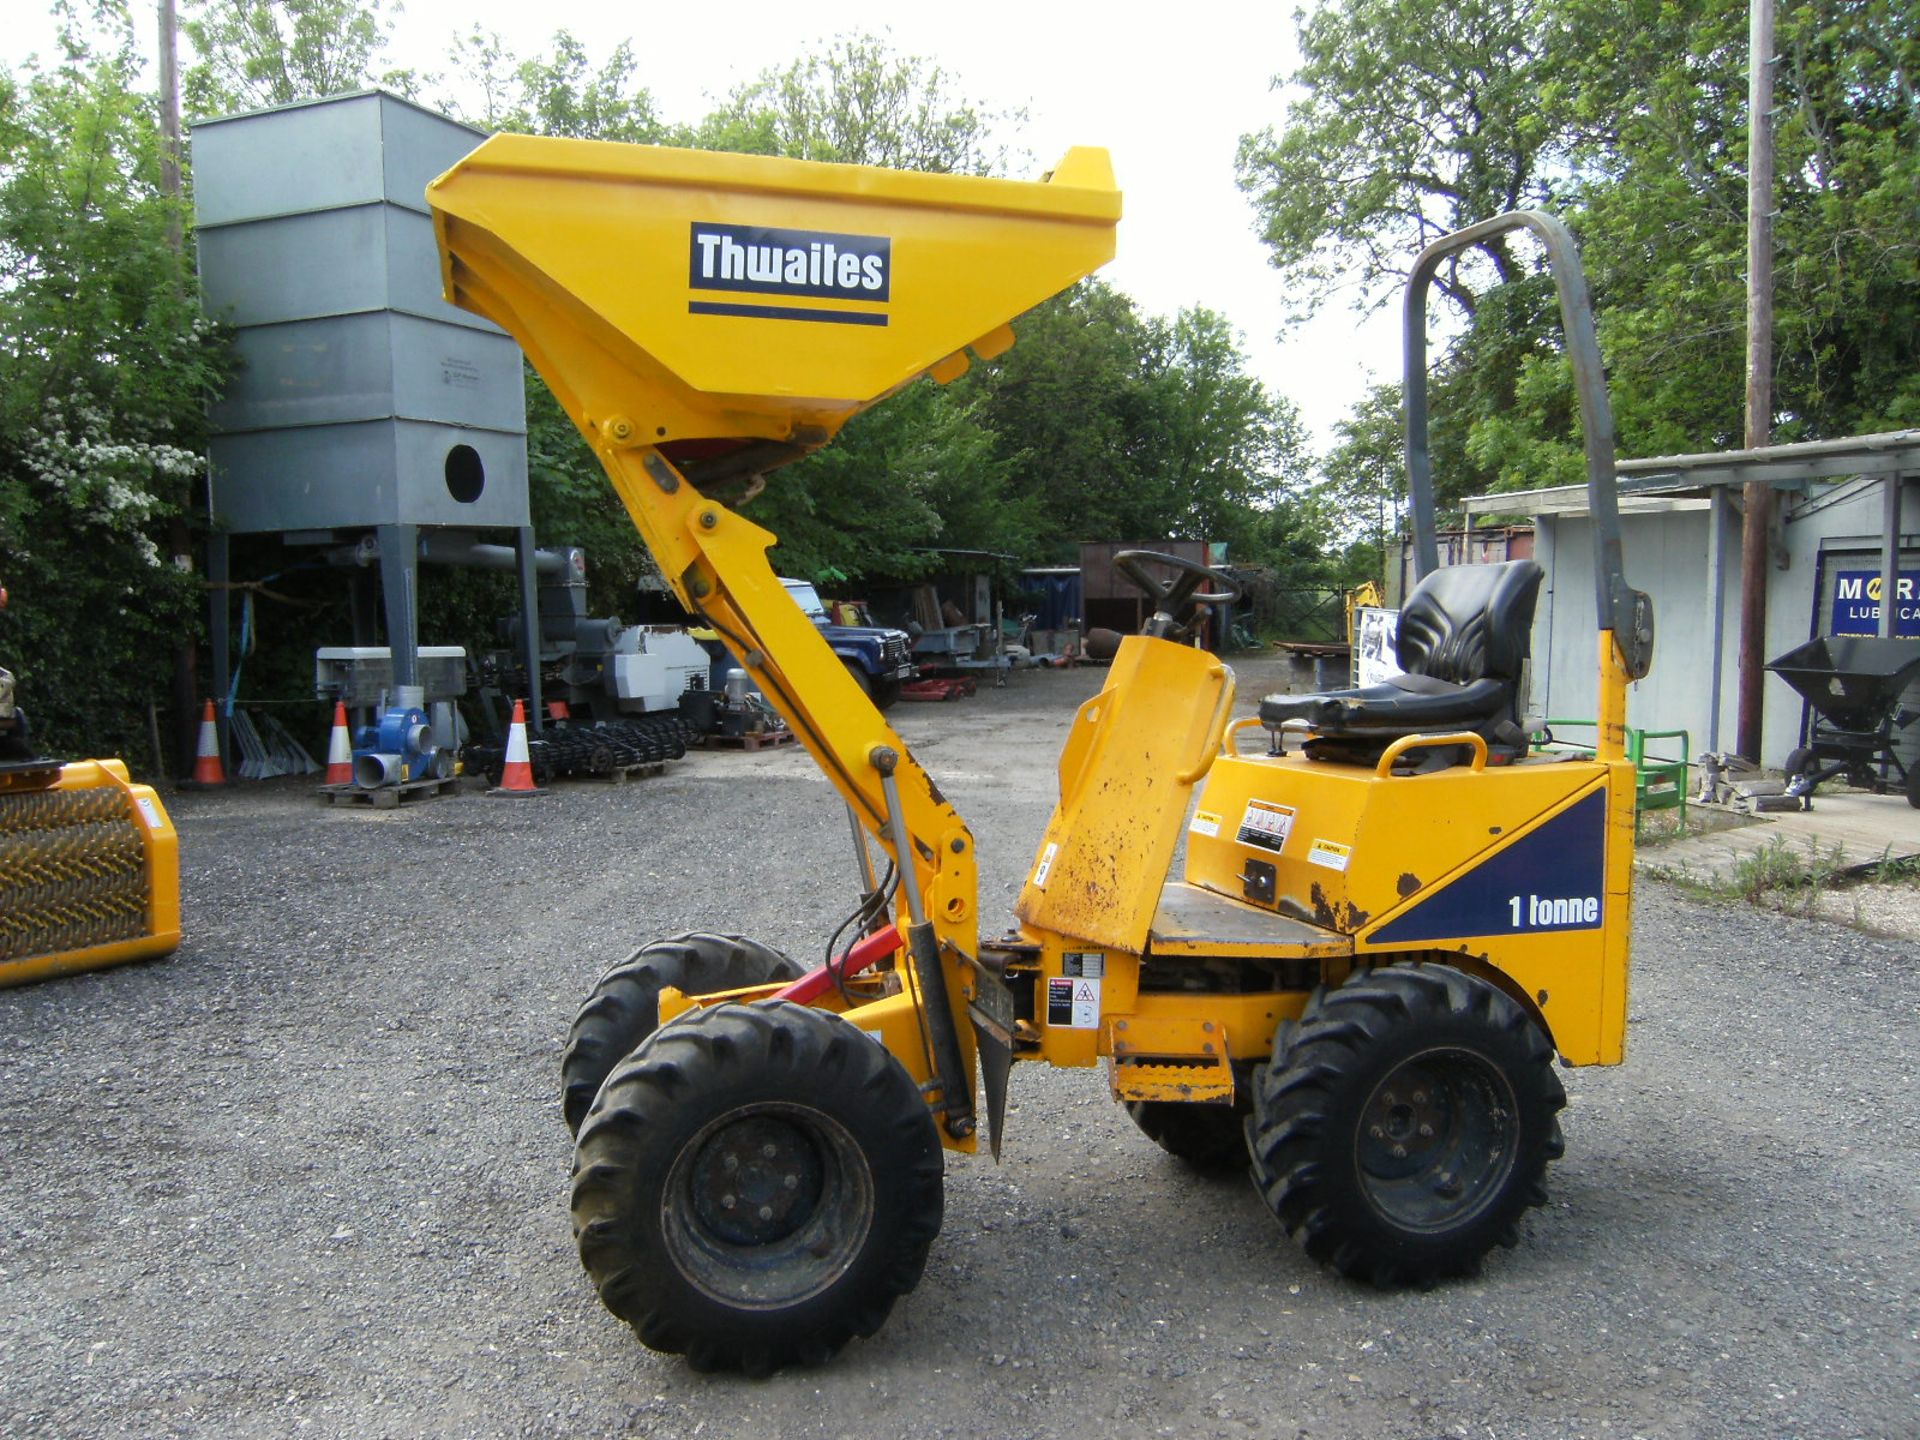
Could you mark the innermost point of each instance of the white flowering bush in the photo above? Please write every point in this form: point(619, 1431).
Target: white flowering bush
point(105, 370)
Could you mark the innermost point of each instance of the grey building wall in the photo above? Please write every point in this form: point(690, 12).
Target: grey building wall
point(1667, 556)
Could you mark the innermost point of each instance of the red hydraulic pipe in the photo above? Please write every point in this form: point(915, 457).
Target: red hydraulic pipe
point(815, 983)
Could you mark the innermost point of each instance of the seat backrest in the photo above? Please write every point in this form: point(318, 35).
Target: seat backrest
point(1470, 622)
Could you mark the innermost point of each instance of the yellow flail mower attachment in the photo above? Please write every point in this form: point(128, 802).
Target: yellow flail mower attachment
point(89, 870)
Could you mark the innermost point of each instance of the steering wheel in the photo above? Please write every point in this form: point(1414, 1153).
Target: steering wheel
point(1175, 606)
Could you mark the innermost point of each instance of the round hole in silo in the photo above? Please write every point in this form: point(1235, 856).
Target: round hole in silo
point(466, 476)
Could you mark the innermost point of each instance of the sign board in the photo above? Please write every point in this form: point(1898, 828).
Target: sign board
point(1857, 598)
point(1375, 637)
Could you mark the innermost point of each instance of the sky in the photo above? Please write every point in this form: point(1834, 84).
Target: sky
point(1169, 93)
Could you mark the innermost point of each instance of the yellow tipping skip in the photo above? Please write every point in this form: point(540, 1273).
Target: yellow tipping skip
point(832, 284)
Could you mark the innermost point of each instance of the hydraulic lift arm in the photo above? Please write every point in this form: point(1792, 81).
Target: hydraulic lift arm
point(704, 317)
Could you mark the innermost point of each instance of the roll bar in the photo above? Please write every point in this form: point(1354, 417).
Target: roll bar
point(1624, 611)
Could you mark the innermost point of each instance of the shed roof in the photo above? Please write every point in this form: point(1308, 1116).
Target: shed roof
point(1684, 482)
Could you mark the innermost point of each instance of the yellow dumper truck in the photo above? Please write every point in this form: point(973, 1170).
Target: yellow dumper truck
point(1391, 917)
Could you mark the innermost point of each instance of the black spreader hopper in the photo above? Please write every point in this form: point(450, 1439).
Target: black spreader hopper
point(1853, 684)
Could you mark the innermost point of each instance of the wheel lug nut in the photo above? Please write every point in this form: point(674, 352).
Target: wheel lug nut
point(1399, 1152)
point(1419, 1097)
point(792, 1182)
point(730, 1162)
point(1390, 1098)
point(1378, 1133)
point(766, 1212)
point(727, 1202)
point(768, 1150)
point(1427, 1131)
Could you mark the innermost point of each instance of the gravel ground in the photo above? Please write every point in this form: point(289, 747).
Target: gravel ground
point(308, 1176)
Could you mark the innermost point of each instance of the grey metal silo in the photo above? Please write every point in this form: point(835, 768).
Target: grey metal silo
point(363, 401)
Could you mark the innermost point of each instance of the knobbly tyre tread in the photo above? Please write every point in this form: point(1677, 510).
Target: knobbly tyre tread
point(1302, 1136)
point(706, 1066)
point(1206, 1137)
point(623, 1008)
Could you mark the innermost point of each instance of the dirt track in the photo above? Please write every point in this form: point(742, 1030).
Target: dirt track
point(308, 1176)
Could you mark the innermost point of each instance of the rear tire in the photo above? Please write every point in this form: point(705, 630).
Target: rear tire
point(624, 1006)
point(1207, 1137)
point(758, 1184)
point(1798, 760)
point(885, 693)
point(1405, 1124)
point(1913, 785)
point(860, 678)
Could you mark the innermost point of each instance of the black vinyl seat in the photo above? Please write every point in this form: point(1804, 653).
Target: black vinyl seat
point(1465, 634)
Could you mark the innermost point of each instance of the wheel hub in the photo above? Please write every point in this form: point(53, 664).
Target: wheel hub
point(1437, 1138)
point(756, 1181)
point(767, 1205)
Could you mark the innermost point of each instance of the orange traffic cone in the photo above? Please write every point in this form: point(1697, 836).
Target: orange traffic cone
point(516, 779)
point(339, 749)
point(207, 769)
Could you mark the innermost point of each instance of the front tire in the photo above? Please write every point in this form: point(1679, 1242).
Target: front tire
point(624, 1006)
point(758, 1184)
point(1405, 1123)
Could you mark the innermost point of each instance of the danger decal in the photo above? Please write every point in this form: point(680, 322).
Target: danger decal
point(1073, 1003)
point(1266, 825)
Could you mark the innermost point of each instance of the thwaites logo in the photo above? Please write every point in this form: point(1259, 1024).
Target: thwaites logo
point(803, 264)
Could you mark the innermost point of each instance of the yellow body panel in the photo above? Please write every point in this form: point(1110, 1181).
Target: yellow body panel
point(1361, 853)
point(85, 899)
point(1129, 765)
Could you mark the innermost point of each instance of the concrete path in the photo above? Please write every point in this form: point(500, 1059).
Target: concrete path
point(1849, 829)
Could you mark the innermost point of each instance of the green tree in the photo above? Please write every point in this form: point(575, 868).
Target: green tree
point(859, 102)
point(1630, 119)
point(1409, 119)
point(1119, 425)
point(561, 92)
point(254, 53)
point(105, 369)
point(916, 471)
point(1070, 411)
point(1221, 451)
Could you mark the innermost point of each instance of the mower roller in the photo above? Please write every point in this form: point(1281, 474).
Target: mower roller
point(1391, 918)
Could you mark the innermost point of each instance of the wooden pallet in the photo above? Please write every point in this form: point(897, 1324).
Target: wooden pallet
point(620, 774)
point(765, 740)
point(388, 797)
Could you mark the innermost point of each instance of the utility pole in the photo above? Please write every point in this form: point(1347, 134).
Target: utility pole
point(170, 110)
point(1757, 497)
point(179, 531)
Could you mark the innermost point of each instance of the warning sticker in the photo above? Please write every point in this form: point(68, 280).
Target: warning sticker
point(1090, 963)
point(1266, 825)
point(1332, 856)
point(1206, 823)
point(1046, 864)
point(149, 810)
point(1073, 1004)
